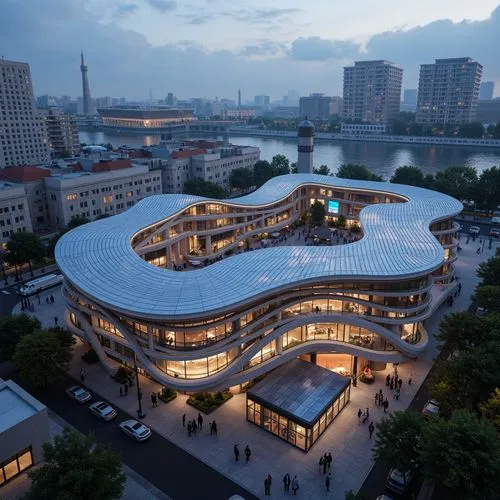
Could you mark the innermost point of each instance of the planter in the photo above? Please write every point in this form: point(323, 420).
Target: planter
point(167, 395)
point(90, 357)
point(207, 402)
point(124, 376)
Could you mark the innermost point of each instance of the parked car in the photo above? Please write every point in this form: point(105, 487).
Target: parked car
point(40, 284)
point(431, 408)
point(135, 430)
point(495, 233)
point(383, 497)
point(474, 230)
point(398, 481)
point(103, 410)
point(78, 394)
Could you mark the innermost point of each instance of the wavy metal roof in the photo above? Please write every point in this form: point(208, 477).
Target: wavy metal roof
point(99, 260)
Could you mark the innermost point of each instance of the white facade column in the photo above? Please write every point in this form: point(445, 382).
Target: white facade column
point(208, 244)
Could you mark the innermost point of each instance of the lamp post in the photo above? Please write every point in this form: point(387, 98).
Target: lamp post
point(140, 413)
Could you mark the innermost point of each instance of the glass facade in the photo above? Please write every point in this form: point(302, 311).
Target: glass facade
point(15, 465)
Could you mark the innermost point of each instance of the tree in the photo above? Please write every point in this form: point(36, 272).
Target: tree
point(359, 172)
point(318, 213)
point(398, 438)
point(463, 454)
point(41, 357)
point(26, 247)
point(12, 328)
point(280, 165)
point(489, 271)
point(490, 410)
point(488, 188)
point(488, 297)
point(473, 130)
point(341, 222)
point(262, 172)
point(294, 169)
point(322, 170)
point(241, 178)
point(411, 176)
point(76, 466)
point(457, 181)
point(75, 221)
point(200, 187)
point(102, 216)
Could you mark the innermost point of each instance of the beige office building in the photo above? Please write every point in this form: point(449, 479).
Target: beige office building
point(62, 133)
point(14, 212)
point(23, 135)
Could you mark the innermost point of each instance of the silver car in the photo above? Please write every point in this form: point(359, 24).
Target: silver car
point(78, 394)
point(103, 410)
point(135, 430)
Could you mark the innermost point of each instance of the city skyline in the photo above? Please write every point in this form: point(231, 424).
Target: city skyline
point(127, 58)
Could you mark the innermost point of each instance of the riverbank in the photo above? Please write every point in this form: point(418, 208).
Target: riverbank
point(394, 139)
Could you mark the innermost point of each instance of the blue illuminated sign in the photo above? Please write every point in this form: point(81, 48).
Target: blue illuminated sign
point(333, 207)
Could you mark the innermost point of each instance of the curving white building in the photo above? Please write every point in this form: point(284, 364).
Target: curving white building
point(222, 325)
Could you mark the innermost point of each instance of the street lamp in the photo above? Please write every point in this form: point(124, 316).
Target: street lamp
point(140, 413)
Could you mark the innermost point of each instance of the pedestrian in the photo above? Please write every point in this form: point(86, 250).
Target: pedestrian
point(386, 405)
point(267, 487)
point(459, 288)
point(330, 460)
point(248, 453)
point(52, 299)
point(376, 398)
point(410, 379)
point(391, 384)
point(47, 300)
point(327, 481)
point(380, 397)
point(184, 420)
point(82, 376)
point(295, 484)
point(154, 400)
point(189, 428)
point(325, 463)
point(56, 319)
point(478, 251)
point(193, 426)
point(396, 380)
point(387, 380)
point(286, 482)
point(359, 415)
point(236, 452)
point(321, 462)
point(371, 428)
point(214, 427)
point(200, 421)
point(121, 391)
point(398, 393)
point(400, 383)
point(126, 389)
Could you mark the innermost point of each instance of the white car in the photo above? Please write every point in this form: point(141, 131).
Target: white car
point(495, 233)
point(135, 430)
point(79, 394)
point(431, 408)
point(398, 481)
point(103, 411)
point(474, 230)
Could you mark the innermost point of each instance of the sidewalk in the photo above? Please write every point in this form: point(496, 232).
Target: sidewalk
point(346, 439)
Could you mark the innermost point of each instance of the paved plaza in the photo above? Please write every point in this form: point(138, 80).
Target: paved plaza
point(346, 439)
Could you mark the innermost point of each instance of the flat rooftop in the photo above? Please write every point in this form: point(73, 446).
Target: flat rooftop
point(16, 405)
point(299, 390)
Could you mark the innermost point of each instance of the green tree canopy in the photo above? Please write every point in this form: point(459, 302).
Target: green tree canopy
point(411, 176)
point(12, 328)
point(488, 296)
point(76, 466)
point(359, 172)
point(41, 357)
point(473, 130)
point(489, 271)
point(280, 165)
point(463, 454)
point(200, 187)
point(398, 440)
point(25, 247)
point(488, 188)
point(457, 181)
point(241, 178)
point(75, 221)
point(322, 170)
point(490, 410)
point(318, 213)
point(341, 222)
point(262, 172)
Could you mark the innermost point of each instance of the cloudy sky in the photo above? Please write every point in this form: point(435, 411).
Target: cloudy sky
point(211, 48)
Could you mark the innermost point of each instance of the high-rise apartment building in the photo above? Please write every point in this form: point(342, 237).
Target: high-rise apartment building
point(372, 91)
point(23, 137)
point(62, 133)
point(262, 100)
point(315, 106)
point(486, 91)
point(448, 91)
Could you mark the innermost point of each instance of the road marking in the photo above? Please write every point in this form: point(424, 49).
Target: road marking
point(6, 292)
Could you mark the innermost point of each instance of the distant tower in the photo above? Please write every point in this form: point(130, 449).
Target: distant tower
point(305, 147)
point(239, 98)
point(87, 104)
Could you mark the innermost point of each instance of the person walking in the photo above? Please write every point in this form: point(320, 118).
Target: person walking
point(295, 484)
point(376, 398)
point(321, 462)
point(52, 299)
point(236, 452)
point(380, 397)
point(359, 415)
point(286, 482)
point(410, 379)
point(325, 463)
point(125, 387)
point(267, 487)
point(386, 405)
point(400, 383)
point(387, 380)
point(328, 481)
point(56, 319)
point(371, 428)
point(184, 420)
point(189, 428)
point(154, 401)
point(214, 427)
point(193, 426)
point(82, 376)
point(330, 460)
point(248, 453)
point(200, 421)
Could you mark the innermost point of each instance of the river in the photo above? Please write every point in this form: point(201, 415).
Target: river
point(382, 158)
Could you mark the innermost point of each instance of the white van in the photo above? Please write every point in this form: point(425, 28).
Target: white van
point(34, 286)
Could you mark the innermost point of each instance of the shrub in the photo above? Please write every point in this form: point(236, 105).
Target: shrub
point(166, 394)
point(123, 375)
point(90, 357)
point(207, 402)
point(355, 228)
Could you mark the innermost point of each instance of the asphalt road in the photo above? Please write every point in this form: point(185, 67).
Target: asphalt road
point(168, 467)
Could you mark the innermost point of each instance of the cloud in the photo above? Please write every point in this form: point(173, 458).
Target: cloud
point(315, 48)
point(162, 6)
point(126, 9)
point(197, 18)
point(261, 16)
point(264, 48)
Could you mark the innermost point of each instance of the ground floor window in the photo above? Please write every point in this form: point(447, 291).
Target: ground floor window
point(15, 465)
